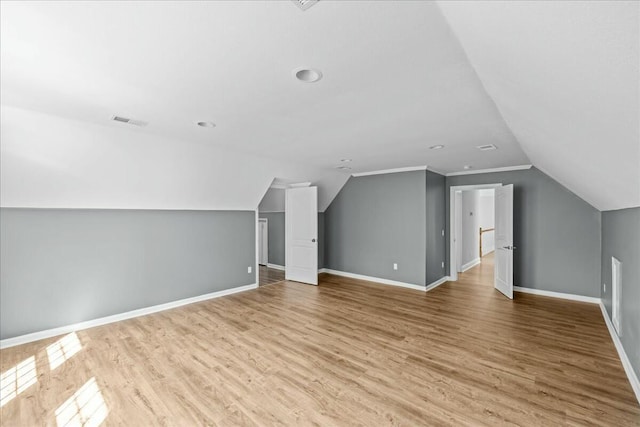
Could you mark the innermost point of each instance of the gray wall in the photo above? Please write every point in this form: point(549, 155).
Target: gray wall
point(436, 223)
point(321, 238)
point(375, 221)
point(276, 237)
point(470, 223)
point(557, 233)
point(621, 239)
point(61, 267)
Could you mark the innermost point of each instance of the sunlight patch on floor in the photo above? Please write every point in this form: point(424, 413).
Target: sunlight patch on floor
point(63, 349)
point(85, 408)
point(17, 379)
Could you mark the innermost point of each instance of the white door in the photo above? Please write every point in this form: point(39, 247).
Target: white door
point(503, 277)
point(301, 234)
point(263, 246)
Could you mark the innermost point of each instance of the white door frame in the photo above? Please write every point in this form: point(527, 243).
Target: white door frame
point(453, 271)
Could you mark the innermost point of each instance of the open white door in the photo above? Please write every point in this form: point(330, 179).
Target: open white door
point(503, 277)
point(301, 234)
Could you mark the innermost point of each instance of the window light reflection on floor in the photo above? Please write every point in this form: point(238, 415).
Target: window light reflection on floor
point(85, 408)
point(17, 379)
point(63, 349)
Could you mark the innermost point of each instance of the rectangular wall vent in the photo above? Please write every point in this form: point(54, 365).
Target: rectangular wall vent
point(305, 4)
point(128, 121)
point(487, 147)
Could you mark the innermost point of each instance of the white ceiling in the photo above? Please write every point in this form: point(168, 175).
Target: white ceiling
point(565, 77)
point(396, 81)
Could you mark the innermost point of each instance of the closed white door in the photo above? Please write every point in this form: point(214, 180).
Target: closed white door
point(503, 277)
point(301, 234)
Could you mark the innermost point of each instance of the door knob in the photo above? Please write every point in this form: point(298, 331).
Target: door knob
point(313, 240)
point(511, 248)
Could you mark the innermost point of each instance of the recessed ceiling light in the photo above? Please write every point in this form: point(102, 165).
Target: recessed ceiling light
point(486, 147)
point(307, 75)
point(207, 124)
point(344, 168)
point(345, 160)
point(468, 166)
point(436, 147)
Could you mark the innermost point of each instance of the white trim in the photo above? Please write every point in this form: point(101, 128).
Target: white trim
point(552, 294)
point(469, 265)
point(375, 279)
point(299, 185)
point(504, 169)
point(396, 170)
point(266, 212)
point(35, 336)
point(626, 363)
point(322, 270)
point(275, 266)
point(453, 273)
point(437, 283)
point(256, 266)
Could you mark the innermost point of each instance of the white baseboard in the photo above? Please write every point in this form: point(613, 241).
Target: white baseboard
point(470, 264)
point(375, 279)
point(275, 266)
point(626, 363)
point(437, 283)
point(572, 297)
point(323, 270)
point(35, 336)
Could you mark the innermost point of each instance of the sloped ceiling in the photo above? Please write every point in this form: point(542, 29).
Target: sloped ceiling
point(397, 79)
point(565, 77)
point(51, 162)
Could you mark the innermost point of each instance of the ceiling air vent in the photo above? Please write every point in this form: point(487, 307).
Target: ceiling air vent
point(305, 4)
point(487, 147)
point(128, 121)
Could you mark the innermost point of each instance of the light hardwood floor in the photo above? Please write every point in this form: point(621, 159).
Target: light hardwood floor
point(269, 276)
point(344, 353)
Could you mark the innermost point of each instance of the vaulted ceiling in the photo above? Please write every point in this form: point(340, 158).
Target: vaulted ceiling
point(553, 85)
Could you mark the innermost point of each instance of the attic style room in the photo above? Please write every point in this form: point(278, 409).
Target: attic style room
point(320, 212)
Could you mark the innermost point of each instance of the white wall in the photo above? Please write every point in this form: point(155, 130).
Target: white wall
point(51, 162)
point(486, 216)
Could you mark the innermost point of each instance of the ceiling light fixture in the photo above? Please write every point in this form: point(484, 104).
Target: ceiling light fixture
point(343, 168)
point(307, 75)
point(468, 167)
point(345, 160)
point(486, 147)
point(207, 124)
point(436, 147)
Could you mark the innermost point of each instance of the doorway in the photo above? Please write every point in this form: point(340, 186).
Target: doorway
point(263, 242)
point(287, 233)
point(473, 236)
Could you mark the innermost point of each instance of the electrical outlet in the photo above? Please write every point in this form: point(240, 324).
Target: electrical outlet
point(442, 264)
point(395, 266)
point(443, 233)
point(604, 287)
point(249, 269)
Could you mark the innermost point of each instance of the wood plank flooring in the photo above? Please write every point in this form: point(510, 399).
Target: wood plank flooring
point(344, 353)
point(269, 276)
